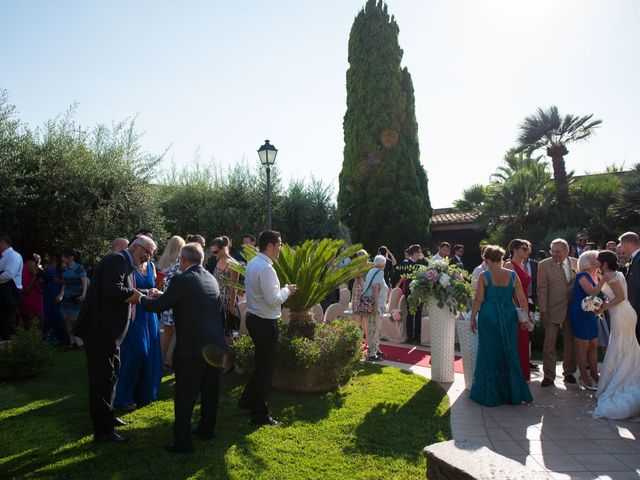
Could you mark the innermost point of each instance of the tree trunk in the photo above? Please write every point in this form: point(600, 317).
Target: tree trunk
point(301, 324)
point(557, 153)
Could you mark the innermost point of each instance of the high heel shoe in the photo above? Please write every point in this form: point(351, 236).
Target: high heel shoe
point(591, 387)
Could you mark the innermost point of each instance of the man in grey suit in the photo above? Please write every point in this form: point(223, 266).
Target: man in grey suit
point(194, 297)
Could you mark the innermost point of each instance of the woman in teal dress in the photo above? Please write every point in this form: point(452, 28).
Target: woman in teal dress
point(140, 353)
point(498, 377)
point(74, 289)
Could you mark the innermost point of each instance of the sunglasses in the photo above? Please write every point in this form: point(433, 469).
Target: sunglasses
point(214, 252)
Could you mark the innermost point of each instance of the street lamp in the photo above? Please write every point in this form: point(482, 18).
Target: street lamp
point(267, 154)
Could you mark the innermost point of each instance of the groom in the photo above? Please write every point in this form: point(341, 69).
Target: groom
point(630, 246)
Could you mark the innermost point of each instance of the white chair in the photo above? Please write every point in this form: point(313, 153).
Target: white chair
point(425, 332)
point(345, 298)
point(392, 330)
point(334, 311)
point(394, 299)
point(242, 308)
point(318, 314)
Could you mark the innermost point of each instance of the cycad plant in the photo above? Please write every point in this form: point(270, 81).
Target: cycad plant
point(317, 267)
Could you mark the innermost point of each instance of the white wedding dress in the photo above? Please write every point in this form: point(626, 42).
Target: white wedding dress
point(619, 386)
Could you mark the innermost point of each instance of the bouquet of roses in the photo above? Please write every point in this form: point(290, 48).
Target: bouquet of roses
point(592, 304)
point(448, 284)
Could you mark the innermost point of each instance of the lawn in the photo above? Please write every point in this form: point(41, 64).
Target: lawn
point(373, 428)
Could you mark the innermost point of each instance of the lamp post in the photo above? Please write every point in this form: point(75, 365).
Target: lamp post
point(267, 154)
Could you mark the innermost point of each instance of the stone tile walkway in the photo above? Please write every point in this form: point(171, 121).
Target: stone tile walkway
point(553, 434)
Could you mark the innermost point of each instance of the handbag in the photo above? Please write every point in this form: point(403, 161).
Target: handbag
point(366, 304)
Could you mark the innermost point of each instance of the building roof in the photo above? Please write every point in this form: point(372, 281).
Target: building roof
point(452, 216)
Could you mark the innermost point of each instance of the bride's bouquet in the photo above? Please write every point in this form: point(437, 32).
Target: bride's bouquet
point(592, 304)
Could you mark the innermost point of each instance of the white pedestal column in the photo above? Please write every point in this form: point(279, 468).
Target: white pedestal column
point(443, 331)
point(469, 348)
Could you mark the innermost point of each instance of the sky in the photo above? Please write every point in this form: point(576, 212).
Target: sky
point(211, 80)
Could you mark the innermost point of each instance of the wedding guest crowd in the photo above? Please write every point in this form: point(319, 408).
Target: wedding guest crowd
point(135, 308)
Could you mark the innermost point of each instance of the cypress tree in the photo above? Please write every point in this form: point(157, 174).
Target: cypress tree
point(383, 196)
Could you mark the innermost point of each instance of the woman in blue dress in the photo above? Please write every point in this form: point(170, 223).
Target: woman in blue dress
point(74, 289)
point(584, 325)
point(498, 377)
point(140, 353)
point(53, 325)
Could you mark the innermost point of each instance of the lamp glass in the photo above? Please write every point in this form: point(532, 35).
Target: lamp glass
point(267, 154)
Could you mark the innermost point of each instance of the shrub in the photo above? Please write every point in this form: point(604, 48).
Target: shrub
point(336, 348)
point(25, 354)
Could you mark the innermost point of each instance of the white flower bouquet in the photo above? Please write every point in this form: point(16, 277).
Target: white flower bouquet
point(449, 284)
point(592, 304)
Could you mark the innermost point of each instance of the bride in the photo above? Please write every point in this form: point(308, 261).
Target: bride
point(619, 386)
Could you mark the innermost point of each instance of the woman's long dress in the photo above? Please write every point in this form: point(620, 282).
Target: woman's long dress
point(523, 335)
point(140, 355)
point(498, 377)
point(53, 325)
point(619, 385)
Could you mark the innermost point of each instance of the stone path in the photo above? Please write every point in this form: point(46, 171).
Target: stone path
point(554, 434)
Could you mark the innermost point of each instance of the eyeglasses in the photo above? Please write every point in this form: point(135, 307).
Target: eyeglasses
point(524, 247)
point(148, 252)
point(214, 252)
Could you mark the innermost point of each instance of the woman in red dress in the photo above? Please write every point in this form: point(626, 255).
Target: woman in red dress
point(31, 304)
point(519, 250)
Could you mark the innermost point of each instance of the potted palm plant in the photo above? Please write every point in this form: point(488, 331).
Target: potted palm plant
point(312, 356)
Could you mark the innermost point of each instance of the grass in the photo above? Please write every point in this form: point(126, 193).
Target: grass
point(373, 428)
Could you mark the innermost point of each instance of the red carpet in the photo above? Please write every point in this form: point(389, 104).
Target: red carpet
point(413, 356)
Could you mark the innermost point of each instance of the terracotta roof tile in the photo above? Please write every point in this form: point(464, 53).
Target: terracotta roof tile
point(450, 216)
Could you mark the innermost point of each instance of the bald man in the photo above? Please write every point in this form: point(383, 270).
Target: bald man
point(119, 244)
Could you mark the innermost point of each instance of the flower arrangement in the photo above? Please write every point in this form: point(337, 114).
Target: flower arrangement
point(396, 315)
point(449, 284)
point(591, 304)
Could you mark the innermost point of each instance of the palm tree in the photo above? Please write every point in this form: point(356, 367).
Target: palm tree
point(547, 129)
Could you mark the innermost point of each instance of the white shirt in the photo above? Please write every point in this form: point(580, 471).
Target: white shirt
point(530, 289)
point(475, 276)
point(437, 256)
point(262, 288)
point(11, 267)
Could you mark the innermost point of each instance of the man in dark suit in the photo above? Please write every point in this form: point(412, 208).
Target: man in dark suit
point(458, 252)
point(194, 297)
point(102, 324)
point(630, 246)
